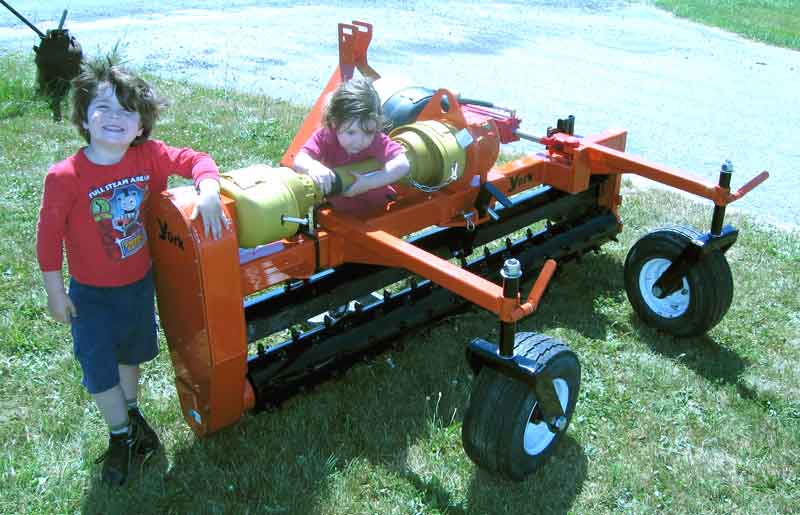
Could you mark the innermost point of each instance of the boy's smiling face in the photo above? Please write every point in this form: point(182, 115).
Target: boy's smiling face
point(109, 124)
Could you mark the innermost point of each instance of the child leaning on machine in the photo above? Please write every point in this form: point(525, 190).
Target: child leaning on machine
point(94, 206)
point(351, 132)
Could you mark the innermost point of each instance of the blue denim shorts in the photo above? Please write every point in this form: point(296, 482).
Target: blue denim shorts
point(114, 325)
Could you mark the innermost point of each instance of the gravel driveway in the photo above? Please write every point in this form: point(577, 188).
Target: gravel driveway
point(690, 96)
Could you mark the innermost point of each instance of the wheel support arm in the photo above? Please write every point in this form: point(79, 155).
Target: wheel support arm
point(366, 244)
point(719, 238)
point(670, 280)
point(483, 353)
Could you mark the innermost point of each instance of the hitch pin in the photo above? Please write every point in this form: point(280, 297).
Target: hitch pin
point(309, 222)
point(293, 220)
point(469, 220)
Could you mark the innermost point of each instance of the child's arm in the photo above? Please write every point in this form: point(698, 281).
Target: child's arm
point(319, 173)
point(394, 170)
point(209, 207)
point(202, 169)
point(57, 197)
point(58, 302)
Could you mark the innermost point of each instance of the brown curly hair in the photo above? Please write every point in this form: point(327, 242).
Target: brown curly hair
point(355, 99)
point(132, 92)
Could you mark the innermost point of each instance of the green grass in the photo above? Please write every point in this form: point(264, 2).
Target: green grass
point(776, 22)
point(16, 88)
point(701, 425)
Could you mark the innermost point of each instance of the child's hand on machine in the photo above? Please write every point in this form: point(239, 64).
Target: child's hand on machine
point(323, 177)
point(209, 207)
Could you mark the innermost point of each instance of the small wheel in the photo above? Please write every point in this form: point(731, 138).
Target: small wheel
point(702, 300)
point(503, 431)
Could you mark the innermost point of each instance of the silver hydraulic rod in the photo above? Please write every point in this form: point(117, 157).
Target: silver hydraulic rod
point(528, 137)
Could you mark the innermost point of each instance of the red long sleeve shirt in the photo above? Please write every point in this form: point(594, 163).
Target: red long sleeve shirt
point(98, 211)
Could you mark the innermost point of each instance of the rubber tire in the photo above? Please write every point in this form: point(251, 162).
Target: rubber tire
point(500, 407)
point(710, 283)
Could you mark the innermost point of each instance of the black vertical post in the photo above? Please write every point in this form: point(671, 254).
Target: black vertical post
point(719, 211)
point(511, 274)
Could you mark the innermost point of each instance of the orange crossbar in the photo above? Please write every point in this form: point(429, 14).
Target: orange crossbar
point(371, 245)
point(367, 244)
point(605, 160)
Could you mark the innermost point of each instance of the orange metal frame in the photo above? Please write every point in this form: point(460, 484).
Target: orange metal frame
point(202, 283)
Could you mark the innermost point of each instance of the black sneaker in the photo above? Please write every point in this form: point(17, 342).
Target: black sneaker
point(148, 442)
point(118, 457)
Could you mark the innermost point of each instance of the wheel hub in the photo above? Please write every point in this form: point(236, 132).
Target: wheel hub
point(671, 306)
point(537, 434)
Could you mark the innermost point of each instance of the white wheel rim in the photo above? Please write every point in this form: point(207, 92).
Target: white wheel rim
point(537, 435)
point(671, 306)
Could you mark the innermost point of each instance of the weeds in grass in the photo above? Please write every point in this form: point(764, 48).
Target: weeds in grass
point(17, 87)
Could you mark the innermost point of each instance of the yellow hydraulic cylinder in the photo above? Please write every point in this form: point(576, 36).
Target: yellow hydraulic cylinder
point(434, 152)
point(266, 196)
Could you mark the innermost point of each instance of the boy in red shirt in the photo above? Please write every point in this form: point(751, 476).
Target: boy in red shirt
point(93, 205)
point(351, 132)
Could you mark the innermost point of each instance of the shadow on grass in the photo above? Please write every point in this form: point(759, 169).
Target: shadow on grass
point(575, 295)
point(366, 438)
point(363, 440)
point(552, 489)
point(135, 496)
point(703, 355)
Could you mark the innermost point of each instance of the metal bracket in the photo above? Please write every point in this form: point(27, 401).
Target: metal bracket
point(499, 195)
point(354, 41)
point(309, 225)
point(487, 191)
point(483, 353)
point(670, 281)
point(564, 125)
